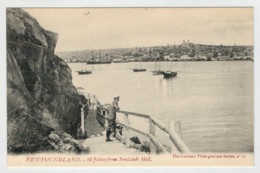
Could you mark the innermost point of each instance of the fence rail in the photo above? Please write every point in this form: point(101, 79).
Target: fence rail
point(177, 144)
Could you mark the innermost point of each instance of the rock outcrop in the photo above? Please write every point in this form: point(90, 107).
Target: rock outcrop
point(40, 93)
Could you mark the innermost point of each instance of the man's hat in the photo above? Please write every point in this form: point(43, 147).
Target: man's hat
point(116, 96)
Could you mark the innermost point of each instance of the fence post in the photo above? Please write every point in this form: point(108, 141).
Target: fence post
point(153, 148)
point(172, 129)
point(177, 125)
point(105, 115)
point(82, 122)
point(95, 103)
point(126, 122)
point(180, 146)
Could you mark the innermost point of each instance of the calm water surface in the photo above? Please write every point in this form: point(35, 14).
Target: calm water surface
point(213, 100)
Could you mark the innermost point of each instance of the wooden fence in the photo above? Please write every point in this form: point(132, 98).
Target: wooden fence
point(176, 144)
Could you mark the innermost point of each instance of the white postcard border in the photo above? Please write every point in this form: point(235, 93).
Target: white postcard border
point(125, 3)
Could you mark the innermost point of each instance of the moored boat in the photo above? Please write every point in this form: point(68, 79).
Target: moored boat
point(84, 72)
point(138, 69)
point(157, 70)
point(169, 74)
point(99, 62)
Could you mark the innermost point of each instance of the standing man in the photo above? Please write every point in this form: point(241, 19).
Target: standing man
point(111, 118)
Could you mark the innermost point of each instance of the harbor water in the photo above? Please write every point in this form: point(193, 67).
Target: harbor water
point(214, 101)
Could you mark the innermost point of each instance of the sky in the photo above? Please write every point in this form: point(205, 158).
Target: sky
point(104, 28)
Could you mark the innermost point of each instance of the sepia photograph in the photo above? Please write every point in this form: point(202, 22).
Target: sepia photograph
point(130, 86)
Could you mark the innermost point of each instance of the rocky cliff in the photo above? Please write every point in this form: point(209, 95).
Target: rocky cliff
point(41, 98)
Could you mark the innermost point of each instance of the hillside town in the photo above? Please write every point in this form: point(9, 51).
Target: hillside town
point(186, 51)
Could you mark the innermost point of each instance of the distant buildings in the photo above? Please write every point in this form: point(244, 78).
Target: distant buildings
point(186, 51)
point(187, 44)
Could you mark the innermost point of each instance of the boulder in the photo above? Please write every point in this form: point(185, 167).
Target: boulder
point(41, 97)
point(63, 142)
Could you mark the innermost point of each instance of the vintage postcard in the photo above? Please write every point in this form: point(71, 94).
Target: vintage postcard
point(91, 87)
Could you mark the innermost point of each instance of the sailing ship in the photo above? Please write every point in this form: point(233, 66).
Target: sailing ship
point(168, 74)
point(138, 69)
point(159, 71)
point(99, 61)
point(84, 71)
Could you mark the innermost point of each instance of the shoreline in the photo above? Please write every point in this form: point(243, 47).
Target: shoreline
point(167, 61)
